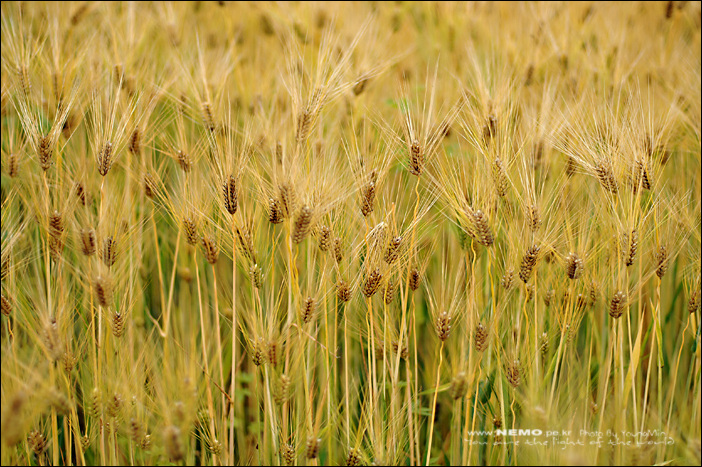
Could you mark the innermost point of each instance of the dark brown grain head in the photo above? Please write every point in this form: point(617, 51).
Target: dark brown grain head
point(288, 199)
point(135, 142)
point(693, 303)
point(88, 241)
point(604, 172)
point(231, 200)
point(103, 290)
point(629, 246)
point(13, 164)
point(324, 238)
point(287, 452)
point(534, 217)
point(416, 158)
point(490, 128)
point(442, 325)
point(312, 447)
point(210, 248)
point(109, 251)
point(45, 152)
point(574, 265)
point(661, 261)
point(256, 274)
point(245, 243)
point(508, 279)
point(389, 291)
point(360, 86)
point(480, 337)
point(104, 158)
point(275, 212)
point(414, 279)
point(172, 443)
point(190, 228)
point(7, 305)
point(548, 297)
point(282, 390)
point(372, 283)
point(499, 177)
point(208, 117)
point(616, 305)
point(56, 229)
point(302, 226)
point(184, 161)
point(37, 442)
point(353, 458)
point(482, 229)
point(343, 291)
point(367, 198)
point(514, 373)
point(528, 262)
point(392, 252)
point(149, 185)
point(308, 309)
point(338, 249)
point(274, 351)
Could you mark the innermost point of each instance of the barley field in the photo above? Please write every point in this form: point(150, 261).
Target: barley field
point(387, 233)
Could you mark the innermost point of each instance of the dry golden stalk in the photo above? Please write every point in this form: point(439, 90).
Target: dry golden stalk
point(459, 386)
point(480, 337)
point(574, 265)
point(312, 447)
point(173, 444)
point(6, 305)
point(604, 172)
point(302, 224)
point(135, 142)
point(514, 373)
point(46, 152)
point(37, 442)
point(275, 213)
point(662, 261)
point(229, 189)
point(209, 245)
point(287, 451)
point(393, 250)
point(308, 308)
point(630, 243)
point(109, 251)
point(104, 158)
point(616, 306)
point(372, 283)
point(184, 160)
point(149, 185)
point(367, 198)
point(416, 158)
point(499, 177)
point(103, 290)
point(338, 252)
point(528, 262)
point(343, 291)
point(282, 392)
point(256, 276)
point(482, 229)
point(443, 325)
point(324, 235)
point(508, 279)
point(190, 229)
point(414, 279)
